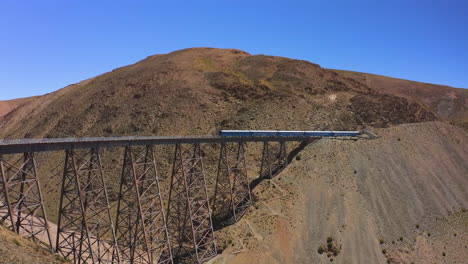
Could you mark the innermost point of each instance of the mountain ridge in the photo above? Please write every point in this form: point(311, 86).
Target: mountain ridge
point(230, 88)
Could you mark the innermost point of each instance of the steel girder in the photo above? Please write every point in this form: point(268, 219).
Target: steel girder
point(274, 159)
point(21, 199)
point(141, 225)
point(188, 214)
point(232, 191)
point(85, 231)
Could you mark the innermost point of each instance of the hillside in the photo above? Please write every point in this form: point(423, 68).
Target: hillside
point(197, 91)
point(446, 102)
point(404, 193)
point(357, 192)
point(9, 105)
point(17, 250)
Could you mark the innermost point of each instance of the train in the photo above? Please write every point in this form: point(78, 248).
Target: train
point(279, 133)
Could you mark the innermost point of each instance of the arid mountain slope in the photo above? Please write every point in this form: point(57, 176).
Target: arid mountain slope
point(446, 102)
point(355, 192)
point(401, 198)
point(197, 91)
point(8, 105)
point(16, 250)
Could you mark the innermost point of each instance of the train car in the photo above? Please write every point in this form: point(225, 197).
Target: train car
point(276, 133)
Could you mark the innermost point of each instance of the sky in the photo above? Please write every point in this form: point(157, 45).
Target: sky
point(46, 45)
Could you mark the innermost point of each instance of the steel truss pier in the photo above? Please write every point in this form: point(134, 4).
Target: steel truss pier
point(232, 191)
point(135, 222)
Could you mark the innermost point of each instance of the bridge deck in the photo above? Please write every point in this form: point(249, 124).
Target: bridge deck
point(51, 144)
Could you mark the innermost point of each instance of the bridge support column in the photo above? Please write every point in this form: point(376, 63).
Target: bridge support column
point(232, 191)
point(84, 213)
point(274, 159)
point(141, 225)
point(188, 213)
point(23, 199)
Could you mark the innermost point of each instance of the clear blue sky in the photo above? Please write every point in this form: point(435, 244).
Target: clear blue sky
point(46, 45)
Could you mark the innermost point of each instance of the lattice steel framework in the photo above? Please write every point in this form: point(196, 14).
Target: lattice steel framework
point(274, 159)
point(232, 192)
point(22, 200)
point(188, 213)
point(141, 225)
point(85, 230)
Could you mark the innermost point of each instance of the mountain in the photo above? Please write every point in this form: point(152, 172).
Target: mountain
point(199, 90)
point(400, 198)
point(446, 102)
point(9, 105)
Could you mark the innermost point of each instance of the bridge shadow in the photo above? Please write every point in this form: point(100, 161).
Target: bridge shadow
point(226, 219)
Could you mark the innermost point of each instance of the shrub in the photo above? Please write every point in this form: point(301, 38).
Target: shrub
point(17, 242)
point(298, 157)
point(320, 250)
point(381, 241)
point(330, 245)
point(417, 226)
point(329, 239)
point(384, 251)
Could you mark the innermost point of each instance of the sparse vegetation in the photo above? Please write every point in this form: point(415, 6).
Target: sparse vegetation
point(17, 242)
point(331, 248)
point(320, 250)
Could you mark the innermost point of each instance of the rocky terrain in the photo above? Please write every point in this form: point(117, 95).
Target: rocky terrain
point(197, 91)
point(16, 250)
point(400, 198)
point(447, 103)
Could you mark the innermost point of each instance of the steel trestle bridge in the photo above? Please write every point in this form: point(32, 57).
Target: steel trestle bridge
point(141, 226)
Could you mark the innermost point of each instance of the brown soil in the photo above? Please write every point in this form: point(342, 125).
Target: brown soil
point(17, 250)
point(8, 105)
point(397, 199)
point(198, 91)
point(447, 103)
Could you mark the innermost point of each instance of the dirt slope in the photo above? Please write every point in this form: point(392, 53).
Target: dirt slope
point(446, 102)
point(8, 105)
point(407, 189)
point(397, 183)
point(17, 250)
point(197, 91)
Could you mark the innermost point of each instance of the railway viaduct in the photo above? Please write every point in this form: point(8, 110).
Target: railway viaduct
point(141, 225)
